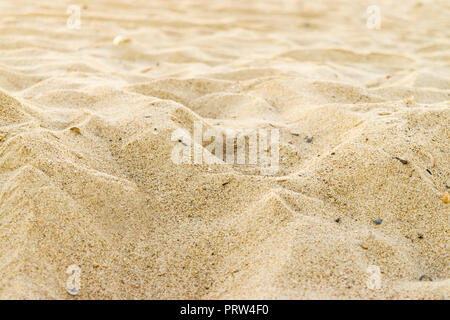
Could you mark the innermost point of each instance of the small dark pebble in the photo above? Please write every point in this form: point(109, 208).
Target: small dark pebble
point(338, 220)
point(424, 277)
point(401, 160)
point(420, 236)
point(120, 139)
point(333, 153)
point(377, 221)
point(309, 139)
point(428, 170)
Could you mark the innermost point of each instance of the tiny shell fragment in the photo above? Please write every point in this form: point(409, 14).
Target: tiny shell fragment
point(73, 291)
point(118, 40)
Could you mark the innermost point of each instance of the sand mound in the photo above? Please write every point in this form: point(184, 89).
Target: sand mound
point(86, 138)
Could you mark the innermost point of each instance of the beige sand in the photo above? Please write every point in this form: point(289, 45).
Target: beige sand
point(106, 196)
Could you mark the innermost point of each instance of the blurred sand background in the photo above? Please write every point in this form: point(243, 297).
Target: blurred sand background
point(85, 144)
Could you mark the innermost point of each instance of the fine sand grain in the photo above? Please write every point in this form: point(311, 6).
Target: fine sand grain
point(86, 176)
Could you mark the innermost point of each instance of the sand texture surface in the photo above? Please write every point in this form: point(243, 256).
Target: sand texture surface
point(86, 176)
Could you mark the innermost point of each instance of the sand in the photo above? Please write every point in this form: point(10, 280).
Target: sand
point(86, 176)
